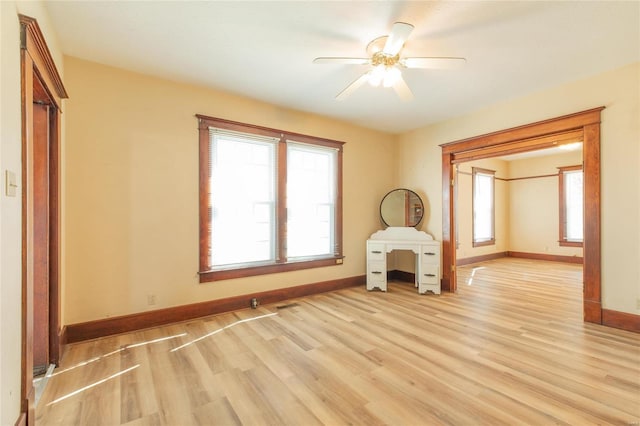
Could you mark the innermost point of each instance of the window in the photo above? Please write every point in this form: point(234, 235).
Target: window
point(242, 198)
point(483, 207)
point(270, 201)
point(310, 200)
point(571, 206)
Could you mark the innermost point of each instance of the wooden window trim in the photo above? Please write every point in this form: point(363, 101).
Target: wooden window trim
point(281, 265)
point(492, 241)
point(562, 241)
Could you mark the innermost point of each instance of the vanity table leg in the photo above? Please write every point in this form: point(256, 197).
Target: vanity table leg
point(417, 270)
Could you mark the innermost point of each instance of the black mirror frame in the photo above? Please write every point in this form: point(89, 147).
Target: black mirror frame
point(419, 216)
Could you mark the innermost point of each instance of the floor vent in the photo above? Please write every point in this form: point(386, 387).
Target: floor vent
point(290, 305)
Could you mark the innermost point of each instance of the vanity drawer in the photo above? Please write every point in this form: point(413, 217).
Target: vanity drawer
point(430, 255)
point(430, 274)
point(376, 271)
point(375, 251)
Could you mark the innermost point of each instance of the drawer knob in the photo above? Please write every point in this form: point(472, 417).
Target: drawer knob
point(376, 272)
point(430, 254)
point(429, 275)
point(376, 252)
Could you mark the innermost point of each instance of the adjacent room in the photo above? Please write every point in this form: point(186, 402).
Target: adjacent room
point(284, 212)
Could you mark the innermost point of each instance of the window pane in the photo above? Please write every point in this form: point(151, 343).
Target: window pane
point(311, 194)
point(242, 200)
point(482, 207)
point(573, 205)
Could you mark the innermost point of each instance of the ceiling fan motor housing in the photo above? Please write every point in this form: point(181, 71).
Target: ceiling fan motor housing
point(381, 58)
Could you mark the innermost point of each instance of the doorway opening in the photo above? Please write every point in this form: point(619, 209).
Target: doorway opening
point(521, 205)
point(584, 126)
point(516, 217)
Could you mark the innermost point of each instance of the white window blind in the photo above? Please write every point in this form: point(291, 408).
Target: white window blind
point(573, 192)
point(242, 198)
point(311, 200)
point(483, 207)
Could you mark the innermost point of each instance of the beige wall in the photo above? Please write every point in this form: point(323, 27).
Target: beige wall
point(534, 205)
point(418, 168)
point(10, 207)
point(131, 193)
point(618, 91)
point(465, 211)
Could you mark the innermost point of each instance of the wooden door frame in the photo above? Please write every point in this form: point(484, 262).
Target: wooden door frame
point(530, 137)
point(37, 65)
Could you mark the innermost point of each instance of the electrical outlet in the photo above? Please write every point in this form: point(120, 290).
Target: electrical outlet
point(151, 299)
point(10, 183)
point(254, 303)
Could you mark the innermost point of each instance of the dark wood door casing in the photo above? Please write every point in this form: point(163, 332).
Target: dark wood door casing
point(543, 134)
point(40, 84)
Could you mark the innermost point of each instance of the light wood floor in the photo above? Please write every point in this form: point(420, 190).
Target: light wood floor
point(509, 348)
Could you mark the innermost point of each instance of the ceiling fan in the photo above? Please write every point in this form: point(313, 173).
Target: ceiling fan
point(384, 57)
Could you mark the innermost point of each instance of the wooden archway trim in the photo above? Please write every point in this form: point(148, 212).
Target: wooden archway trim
point(538, 129)
point(543, 134)
point(522, 145)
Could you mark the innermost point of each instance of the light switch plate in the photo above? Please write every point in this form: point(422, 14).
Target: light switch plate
point(10, 183)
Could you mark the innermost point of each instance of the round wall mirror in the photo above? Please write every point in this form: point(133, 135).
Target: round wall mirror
point(401, 207)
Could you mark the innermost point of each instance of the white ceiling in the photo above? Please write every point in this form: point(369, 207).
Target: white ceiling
point(264, 49)
point(573, 147)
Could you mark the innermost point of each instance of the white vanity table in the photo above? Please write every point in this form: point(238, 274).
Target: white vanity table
point(427, 252)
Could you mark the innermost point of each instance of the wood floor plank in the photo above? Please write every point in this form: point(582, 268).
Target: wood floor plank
point(279, 397)
point(510, 347)
point(217, 412)
point(150, 420)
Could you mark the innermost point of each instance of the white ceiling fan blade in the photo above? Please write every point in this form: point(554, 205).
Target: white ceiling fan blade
point(434, 62)
point(337, 60)
point(401, 88)
point(399, 34)
point(353, 87)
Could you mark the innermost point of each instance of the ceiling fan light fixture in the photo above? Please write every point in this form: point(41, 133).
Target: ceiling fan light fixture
point(391, 76)
point(377, 75)
point(385, 75)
